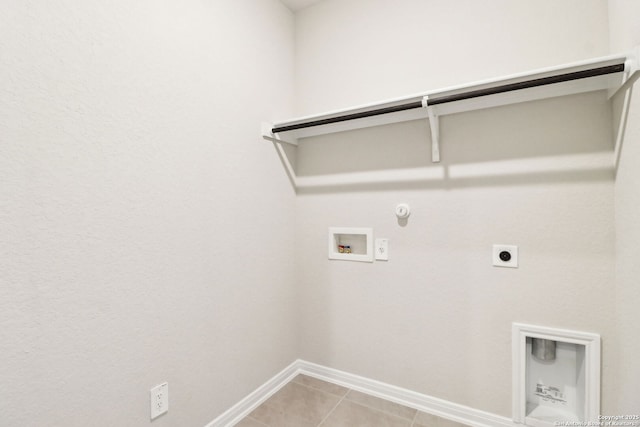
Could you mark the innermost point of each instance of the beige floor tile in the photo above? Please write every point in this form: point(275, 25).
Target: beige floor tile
point(250, 422)
point(351, 414)
point(428, 420)
point(321, 385)
point(296, 402)
point(272, 417)
point(381, 405)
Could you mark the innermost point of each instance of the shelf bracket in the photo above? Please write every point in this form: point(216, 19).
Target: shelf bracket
point(274, 137)
point(434, 124)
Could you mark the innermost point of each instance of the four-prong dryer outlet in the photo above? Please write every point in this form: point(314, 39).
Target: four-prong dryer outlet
point(505, 256)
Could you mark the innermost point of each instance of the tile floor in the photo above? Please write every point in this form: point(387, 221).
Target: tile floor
point(309, 402)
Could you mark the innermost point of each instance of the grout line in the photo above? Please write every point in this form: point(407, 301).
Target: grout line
point(484, 422)
point(380, 411)
point(364, 405)
point(334, 408)
point(264, 404)
point(321, 390)
point(315, 389)
point(257, 421)
point(413, 422)
point(412, 419)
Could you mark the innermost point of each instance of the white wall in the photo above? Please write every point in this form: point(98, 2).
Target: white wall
point(625, 34)
point(137, 206)
point(129, 129)
point(354, 51)
point(437, 317)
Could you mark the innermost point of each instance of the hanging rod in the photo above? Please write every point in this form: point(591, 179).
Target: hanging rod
point(344, 118)
point(560, 78)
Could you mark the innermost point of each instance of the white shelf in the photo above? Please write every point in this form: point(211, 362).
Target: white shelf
point(611, 82)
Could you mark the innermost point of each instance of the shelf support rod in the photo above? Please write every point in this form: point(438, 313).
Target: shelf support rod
point(434, 124)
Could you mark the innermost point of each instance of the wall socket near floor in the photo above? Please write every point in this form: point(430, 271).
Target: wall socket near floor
point(159, 400)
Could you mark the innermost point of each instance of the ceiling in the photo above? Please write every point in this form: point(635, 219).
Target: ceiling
point(295, 5)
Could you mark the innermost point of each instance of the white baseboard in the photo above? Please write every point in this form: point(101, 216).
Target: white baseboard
point(243, 408)
point(421, 402)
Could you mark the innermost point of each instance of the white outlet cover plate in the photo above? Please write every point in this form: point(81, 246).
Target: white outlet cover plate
point(382, 249)
point(159, 400)
point(513, 250)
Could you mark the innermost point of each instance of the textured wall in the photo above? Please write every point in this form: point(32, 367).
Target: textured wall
point(137, 206)
point(350, 52)
point(437, 317)
point(625, 34)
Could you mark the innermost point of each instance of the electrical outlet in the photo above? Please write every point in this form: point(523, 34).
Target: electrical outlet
point(382, 249)
point(505, 256)
point(159, 400)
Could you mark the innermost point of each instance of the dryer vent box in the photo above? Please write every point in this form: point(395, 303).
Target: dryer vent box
point(556, 376)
